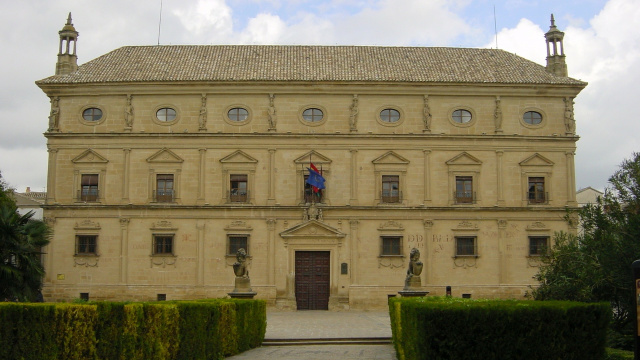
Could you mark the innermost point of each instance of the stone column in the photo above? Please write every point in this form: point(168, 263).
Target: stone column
point(202, 177)
point(271, 251)
point(353, 198)
point(51, 178)
point(571, 179)
point(499, 175)
point(428, 250)
point(503, 265)
point(126, 175)
point(124, 250)
point(354, 250)
point(272, 182)
point(200, 275)
point(427, 176)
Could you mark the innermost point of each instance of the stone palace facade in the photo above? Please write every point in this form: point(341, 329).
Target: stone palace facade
point(165, 160)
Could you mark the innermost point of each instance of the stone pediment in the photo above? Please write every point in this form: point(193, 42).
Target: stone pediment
point(165, 156)
point(464, 158)
point(391, 158)
point(238, 156)
point(536, 160)
point(89, 157)
point(312, 228)
point(313, 156)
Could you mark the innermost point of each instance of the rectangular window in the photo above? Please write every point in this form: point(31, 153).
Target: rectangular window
point(464, 190)
point(162, 244)
point(164, 188)
point(162, 297)
point(391, 245)
point(86, 244)
point(466, 246)
point(238, 188)
point(89, 187)
point(237, 242)
point(537, 194)
point(311, 196)
point(84, 296)
point(390, 189)
point(538, 245)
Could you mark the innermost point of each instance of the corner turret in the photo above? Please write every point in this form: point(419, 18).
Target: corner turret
point(67, 60)
point(555, 61)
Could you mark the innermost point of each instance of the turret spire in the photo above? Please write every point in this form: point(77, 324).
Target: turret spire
point(555, 56)
point(67, 58)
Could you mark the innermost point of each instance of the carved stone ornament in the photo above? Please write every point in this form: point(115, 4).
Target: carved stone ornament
point(466, 225)
point(128, 113)
point(390, 225)
point(426, 114)
point(465, 261)
point(312, 212)
point(86, 261)
point(202, 117)
point(391, 262)
point(353, 114)
point(54, 114)
point(412, 281)
point(238, 225)
point(272, 114)
point(163, 261)
point(537, 226)
point(87, 224)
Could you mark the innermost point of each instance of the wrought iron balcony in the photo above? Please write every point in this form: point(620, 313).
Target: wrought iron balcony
point(464, 197)
point(164, 195)
point(88, 195)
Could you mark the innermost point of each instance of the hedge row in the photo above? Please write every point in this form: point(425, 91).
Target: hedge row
point(209, 329)
point(451, 328)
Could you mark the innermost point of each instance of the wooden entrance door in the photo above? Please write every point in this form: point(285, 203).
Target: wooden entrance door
point(312, 280)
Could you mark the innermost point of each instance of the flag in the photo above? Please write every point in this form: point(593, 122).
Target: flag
point(315, 179)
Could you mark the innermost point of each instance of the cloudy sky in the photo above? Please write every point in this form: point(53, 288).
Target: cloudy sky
point(602, 45)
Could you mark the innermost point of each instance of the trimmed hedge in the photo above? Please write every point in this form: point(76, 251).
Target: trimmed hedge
point(616, 354)
point(452, 328)
point(209, 329)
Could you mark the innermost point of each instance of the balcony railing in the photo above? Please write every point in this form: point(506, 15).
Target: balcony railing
point(538, 198)
point(88, 195)
point(391, 196)
point(311, 197)
point(464, 197)
point(164, 196)
point(238, 196)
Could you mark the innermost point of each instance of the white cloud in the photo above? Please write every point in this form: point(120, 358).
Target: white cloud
point(263, 29)
point(212, 17)
point(525, 40)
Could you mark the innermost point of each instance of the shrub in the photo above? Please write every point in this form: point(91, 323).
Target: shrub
point(449, 328)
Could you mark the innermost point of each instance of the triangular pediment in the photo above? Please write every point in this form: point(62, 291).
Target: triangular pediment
point(238, 156)
point(165, 156)
point(536, 160)
point(312, 229)
point(464, 158)
point(90, 157)
point(313, 156)
point(390, 158)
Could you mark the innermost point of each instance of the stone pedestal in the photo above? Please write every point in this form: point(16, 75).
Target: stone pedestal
point(412, 293)
point(242, 289)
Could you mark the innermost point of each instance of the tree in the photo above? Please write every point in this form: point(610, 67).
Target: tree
point(21, 238)
point(595, 265)
point(6, 192)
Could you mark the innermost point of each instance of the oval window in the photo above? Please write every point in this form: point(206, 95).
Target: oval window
point(461, 116)
point(92, 114)
point(166, 114)
point(532, 117)
point(238, 114)
point(390, 115)
point(312, 115)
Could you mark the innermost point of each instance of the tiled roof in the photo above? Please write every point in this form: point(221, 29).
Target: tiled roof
point(237, 63)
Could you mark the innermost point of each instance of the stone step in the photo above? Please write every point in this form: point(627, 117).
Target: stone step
point(328, 341)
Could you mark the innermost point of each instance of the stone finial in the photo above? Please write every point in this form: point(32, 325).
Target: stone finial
point(67, 58)
point(556, 63)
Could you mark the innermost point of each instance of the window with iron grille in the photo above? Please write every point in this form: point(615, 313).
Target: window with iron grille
point(162, 244)
point(238, 188)
point(164, 188)
point(89, 187)
point(86, 244)
point(466, 246)
point(391, 246)
point(464, 190)
point(390, 189)
point(237, 242)
point(538, 245)
point(537, 193)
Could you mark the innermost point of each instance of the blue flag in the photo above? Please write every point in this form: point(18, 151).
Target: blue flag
point(315, 179)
